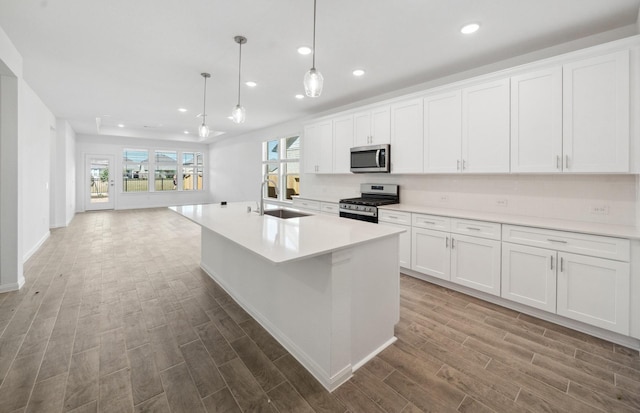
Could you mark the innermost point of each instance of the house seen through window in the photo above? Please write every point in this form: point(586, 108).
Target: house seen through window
point(281, 161)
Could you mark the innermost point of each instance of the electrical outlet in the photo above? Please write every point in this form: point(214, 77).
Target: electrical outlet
point(599, 209)
point(444, 198)
point(503, 202)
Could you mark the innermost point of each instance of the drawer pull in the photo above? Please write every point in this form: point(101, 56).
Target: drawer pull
point(428, 222)
point(556, 240)
point(392, 216)
point(474, 229)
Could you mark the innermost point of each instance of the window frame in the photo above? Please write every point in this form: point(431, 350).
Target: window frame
point(281, 164)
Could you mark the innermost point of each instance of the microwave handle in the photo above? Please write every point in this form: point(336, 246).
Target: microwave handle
point(378, 158)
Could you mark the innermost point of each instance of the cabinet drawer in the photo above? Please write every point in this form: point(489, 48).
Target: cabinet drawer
point(395, 217)
point(431, 222)
point(585, 244)
point(329, 208)
point(490, 230)
point(306, 204)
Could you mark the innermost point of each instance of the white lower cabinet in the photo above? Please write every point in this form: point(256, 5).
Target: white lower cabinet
point(401, 220)
point(306, 205)
point(594, 291)
point(475, 263)
point(430, 252)
point(589, 288)
point(529, 275)
point(455, 256)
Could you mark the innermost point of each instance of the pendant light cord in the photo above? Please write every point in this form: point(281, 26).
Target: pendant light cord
point(313, 64)
point(239, 70)
point(204, 104)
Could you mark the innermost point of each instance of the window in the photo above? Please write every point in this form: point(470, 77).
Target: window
point(281, 161)
point(192, 171)
point(135, 170)
point(166, 170)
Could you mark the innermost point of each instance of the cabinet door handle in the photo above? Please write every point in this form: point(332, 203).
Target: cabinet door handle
point(566, 161)
point(464, 164)
point(561, 264)
point(474, 229)
point(446, 242)
point(458, 165)
point(556, 240)
point(558, 165)
point(552, 262)
point(452, 243)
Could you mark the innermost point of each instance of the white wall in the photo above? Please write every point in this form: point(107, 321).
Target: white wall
point(36, 126)
point(112, 145)
point(63, 175)
point(236, 163)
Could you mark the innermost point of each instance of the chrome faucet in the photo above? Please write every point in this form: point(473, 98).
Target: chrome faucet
point(266, 180)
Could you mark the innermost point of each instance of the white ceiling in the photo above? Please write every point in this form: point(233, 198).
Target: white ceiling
point(136, 62)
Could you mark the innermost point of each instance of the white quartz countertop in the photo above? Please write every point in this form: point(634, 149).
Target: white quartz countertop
point(610, 230)
point(282, 240)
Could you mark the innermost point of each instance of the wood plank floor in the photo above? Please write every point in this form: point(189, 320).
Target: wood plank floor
point(116, 316)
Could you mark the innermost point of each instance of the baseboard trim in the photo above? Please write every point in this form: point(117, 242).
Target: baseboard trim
point(36, 247)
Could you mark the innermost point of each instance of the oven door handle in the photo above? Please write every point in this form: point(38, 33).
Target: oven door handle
point(378, 158)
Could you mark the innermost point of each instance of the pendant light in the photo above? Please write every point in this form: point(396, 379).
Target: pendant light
point(203, 130)
point(238, 114)
point(313, 79)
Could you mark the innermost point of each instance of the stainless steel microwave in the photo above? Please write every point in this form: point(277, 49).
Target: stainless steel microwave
point(372, 158)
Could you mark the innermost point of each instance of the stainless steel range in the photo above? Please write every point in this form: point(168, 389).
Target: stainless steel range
point(365, 208)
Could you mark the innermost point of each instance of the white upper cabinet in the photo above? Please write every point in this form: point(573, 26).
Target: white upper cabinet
point(596, 114)
point(442, 132)
point(318, 148)
point(536, 121)
point(372, 127)
point(406, 137)
point(485, 127)
point(342, 143)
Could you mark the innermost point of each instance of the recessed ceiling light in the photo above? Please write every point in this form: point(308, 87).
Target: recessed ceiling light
point(182, 110)
point(469, 28)
point(230, 117)
point(304, 50)
point(186, 132)
point(299, 96)
point(358, 72)
point(120, 125)
point(251, 83)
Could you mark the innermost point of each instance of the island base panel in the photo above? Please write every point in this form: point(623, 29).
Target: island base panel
point(332, 312)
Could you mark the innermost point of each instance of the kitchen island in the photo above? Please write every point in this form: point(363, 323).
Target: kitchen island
point(326, 288)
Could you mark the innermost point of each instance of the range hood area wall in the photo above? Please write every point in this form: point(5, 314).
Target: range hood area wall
point(612, 199)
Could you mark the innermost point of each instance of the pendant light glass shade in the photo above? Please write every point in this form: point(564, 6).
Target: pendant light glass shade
point(313, 79)
point(203, 130)
point(239, 114)
point(313, 83)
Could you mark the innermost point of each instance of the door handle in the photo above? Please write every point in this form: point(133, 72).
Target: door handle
point(452, 243)
point(558, 165)
point(552, 262)
point(561, 264)
point(378, 158)
point(446, 242)
point(566, 161)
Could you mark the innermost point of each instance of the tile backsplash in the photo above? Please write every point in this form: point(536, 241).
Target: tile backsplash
point(593, 198)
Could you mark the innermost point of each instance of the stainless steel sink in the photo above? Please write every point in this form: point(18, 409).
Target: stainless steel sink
point(285, 213)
